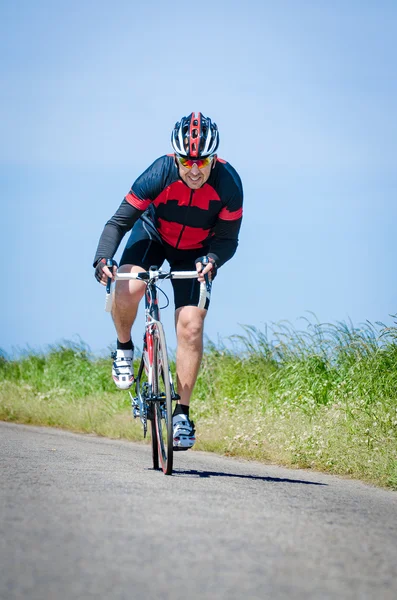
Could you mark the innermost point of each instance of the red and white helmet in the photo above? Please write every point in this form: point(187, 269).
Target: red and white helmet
point(195, 137)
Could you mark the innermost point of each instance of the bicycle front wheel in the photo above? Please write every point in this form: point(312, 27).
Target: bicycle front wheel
point(142, 389)
point(163, 403)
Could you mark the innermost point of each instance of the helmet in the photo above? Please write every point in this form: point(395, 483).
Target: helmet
point(195, 137)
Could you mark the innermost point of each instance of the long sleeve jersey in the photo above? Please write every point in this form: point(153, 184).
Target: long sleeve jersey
point(186, 219)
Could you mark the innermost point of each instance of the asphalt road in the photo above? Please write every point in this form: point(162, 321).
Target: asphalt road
point(86, 517)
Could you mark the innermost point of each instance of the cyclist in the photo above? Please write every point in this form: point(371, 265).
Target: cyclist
point(186, 208)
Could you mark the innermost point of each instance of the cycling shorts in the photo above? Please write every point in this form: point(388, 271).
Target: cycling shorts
point(145, 248)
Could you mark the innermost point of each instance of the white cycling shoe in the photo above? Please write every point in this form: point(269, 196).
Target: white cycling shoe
point(183, 432)
point(123, 368)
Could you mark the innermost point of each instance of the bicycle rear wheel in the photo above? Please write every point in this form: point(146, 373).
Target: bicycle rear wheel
point(163, 404)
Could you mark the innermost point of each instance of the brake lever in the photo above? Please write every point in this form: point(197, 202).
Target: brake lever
point(208, 282)
point(109, 264)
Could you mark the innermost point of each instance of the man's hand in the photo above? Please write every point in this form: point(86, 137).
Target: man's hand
point(102, 272)
point(205, 265)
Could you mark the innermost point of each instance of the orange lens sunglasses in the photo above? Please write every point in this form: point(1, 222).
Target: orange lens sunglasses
point(189, 162)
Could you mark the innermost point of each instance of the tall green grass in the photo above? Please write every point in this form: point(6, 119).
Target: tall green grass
point(324, 397)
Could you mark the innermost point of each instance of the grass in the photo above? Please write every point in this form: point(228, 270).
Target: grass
point(322, 398)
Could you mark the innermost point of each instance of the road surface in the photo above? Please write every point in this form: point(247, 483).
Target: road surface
point(86, 517)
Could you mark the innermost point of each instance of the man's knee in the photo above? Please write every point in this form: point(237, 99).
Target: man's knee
point(190, 325)
point(129, 290)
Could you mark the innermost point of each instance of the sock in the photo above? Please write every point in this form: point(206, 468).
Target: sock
point(181, 409)
point(125, 345)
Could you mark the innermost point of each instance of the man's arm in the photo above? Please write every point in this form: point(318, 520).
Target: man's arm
point(145, 189)
point(115, 229)
point(225, 240)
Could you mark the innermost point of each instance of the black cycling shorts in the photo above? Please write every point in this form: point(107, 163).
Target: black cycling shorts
point(145, 248)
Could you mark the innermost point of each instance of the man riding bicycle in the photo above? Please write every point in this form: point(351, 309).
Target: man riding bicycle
point(186, 208)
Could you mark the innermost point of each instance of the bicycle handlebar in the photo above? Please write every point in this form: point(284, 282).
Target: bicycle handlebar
point(153, 275)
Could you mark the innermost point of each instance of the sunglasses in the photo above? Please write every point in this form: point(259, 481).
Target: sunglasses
point(189, 162)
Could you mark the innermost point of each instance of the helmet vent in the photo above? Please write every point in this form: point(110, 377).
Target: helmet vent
point(195, 133)
point(195, 122)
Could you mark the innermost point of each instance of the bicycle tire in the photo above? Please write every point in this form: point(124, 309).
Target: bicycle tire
point(163, 405)
point(155, 445)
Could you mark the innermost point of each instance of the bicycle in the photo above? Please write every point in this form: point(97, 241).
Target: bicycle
point(154, 386)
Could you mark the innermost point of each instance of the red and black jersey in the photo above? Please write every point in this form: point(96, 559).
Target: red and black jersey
point(186, 219)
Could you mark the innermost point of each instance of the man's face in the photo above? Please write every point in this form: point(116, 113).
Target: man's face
point(195, 178)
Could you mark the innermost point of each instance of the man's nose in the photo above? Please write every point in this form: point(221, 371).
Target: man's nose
point(195, 169)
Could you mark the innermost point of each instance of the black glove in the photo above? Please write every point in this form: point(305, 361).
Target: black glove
point(103, 262)
point(204, 260)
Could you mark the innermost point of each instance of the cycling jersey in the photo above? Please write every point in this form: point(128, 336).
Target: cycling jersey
point(186, 219)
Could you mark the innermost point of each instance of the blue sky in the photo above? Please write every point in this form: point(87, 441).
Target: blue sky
point(305, 96)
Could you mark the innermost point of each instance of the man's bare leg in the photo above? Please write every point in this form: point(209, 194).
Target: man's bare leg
point(125, 306)
point(189, 321)
point(128, 294)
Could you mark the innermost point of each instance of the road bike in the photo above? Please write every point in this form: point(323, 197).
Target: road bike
point(154, 385)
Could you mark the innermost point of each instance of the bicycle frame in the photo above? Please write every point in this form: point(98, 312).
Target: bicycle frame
point(153, 327)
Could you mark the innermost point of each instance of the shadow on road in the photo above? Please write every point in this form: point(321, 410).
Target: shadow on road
point(195, 473)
